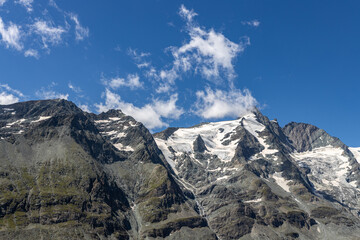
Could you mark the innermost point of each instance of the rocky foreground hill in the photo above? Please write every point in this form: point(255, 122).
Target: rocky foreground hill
point(68, 174)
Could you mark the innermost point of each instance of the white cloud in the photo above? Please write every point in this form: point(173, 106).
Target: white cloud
point(80, 31)
point(74, 88)
point(84, 107)
point(168, 109)
point(150, 115)
point(139, 58)
point(11, 35)
point(132, 81)
point(26, 4)
point(187, 14)
point(207, 52)
point(7, 98)
point(9, 95)
point(219, 104)
point(9, 89)
point(253, 23)
point(2, 2)
point(32, 53)
point(49, 93)
point(47, 32)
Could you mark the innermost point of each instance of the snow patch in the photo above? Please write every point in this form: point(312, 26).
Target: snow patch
point(282, 182)
point(102, 121)
point(121, 147)
point(222, 178)
point(9, 125)
point(114, 118)
point(42, 118)
point(253, 201)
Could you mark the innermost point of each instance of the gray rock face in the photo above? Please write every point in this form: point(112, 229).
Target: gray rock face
point(199, 145)
point(305, 137)
point(66, 174)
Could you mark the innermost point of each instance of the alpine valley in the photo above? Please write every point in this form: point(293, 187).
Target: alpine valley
point(69, 174)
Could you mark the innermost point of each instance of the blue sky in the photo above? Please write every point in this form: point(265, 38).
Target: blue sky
point(178, 63)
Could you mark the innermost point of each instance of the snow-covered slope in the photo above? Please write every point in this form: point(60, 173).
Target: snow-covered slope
point(330, 171)
point(219, 137)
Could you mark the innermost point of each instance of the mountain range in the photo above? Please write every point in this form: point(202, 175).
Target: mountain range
point(69, 174)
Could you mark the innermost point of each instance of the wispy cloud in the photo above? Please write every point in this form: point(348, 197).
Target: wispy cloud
point(140, 58)
point(150, 114)
point(252, 23)
point(187, 14)
point(80, 31)
point(11, 35)
point(213, 104)
point(9, 89)
point(74, 88)
point(9, 95)
point(48, 33)
point(26, 4)
point(41, 31)
point(49, 93)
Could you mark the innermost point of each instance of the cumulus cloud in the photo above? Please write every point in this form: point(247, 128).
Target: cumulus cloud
point(132, 81)
point(26, 4)
point(11, 35)
point(32, 53)
point(80, 31)
point(9, 95)
point(210, 52)
point(207, 53)
point(2, 2)
point(7, 98)
point(48, 33)
point(253, 23)
point(213, 104)
point(150, 115)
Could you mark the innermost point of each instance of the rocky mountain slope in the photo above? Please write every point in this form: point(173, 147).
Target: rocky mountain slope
point(67, 174)
point(253, 179)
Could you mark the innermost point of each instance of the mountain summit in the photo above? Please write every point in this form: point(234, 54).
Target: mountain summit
point(68, 174)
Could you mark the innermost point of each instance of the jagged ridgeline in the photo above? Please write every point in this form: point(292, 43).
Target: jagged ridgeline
point(68, 174)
